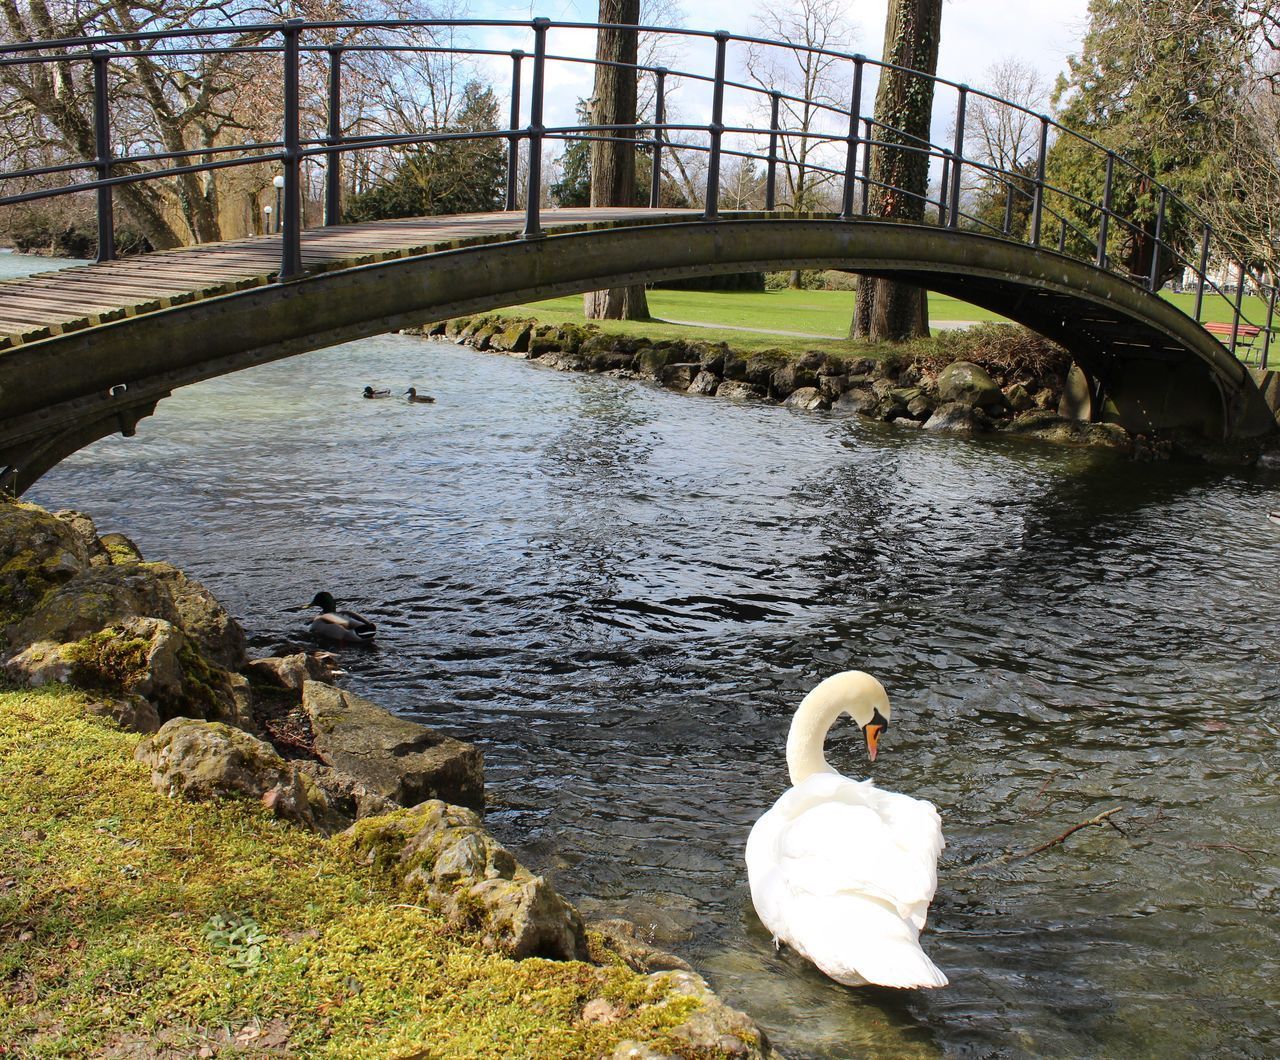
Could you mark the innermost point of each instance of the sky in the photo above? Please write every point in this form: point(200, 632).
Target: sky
point(975, 35)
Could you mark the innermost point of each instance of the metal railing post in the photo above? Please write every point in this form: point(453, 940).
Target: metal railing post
point(102, 148)
point(532, 218)
point(866, 167)
point(771, 177)
point(513, 141)
point(851, 155)
point(333, 137)
point(1204, 268)
point(291, 209)
point(1153, 281)
point(1062, 237)
point(1037, 205)
point(1235, 318)
point(1271, 317)
point(944, 189)
point(659, 120)
point(1008, 209)
point(953, 220)
point(716, 129)
point(1105, 224)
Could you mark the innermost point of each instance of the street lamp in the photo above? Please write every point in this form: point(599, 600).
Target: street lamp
point(267, 211)
point(278, 181)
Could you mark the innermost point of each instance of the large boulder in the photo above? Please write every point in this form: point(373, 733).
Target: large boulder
point(146, 658)
point(38, 552)
point(290, 672)
point(711, 1029)
point(761, 367)
point(679, 376)
point(736, 390)
point(101, 596)
point(955, 417)
point(202, 760)
point(84, 529)
point(966, 383)
point(618, 942)
point(807, 398)
point(398, 759)
point(790, 378)
point(705, 382)
point(442, 852)
point(858, 400)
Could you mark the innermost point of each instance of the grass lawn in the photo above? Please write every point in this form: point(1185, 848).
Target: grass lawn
point(809, 312)
point(812, 312)
point(134, 924)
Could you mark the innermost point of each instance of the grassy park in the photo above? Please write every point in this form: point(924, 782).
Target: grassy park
point(760, 319)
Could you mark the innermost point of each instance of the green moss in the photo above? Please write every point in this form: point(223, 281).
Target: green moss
point(203, 686)
point(142, 923)
point(107, 661)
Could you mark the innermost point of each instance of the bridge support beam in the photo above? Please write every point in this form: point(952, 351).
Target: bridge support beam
point(24, 461)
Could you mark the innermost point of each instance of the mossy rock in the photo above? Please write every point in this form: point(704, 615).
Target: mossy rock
point(202, 760)
point(761, 367)
point(97, 597)
point(38, 553)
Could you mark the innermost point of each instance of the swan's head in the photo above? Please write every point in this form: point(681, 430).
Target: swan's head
point(864, 699)
point(859, 695)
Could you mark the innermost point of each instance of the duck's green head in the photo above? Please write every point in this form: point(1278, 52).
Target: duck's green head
point(324, 601)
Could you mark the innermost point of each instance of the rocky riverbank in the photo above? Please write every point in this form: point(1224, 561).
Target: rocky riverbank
point(128, 683)
point(991, 378)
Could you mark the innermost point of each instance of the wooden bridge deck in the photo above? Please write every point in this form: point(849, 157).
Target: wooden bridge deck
point(54, 303)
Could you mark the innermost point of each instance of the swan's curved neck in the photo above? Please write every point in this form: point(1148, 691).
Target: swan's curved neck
point(813, 719)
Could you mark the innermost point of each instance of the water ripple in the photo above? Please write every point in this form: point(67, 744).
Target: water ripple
point(622, 593)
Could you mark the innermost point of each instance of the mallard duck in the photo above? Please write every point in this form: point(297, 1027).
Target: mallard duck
point(345, 626)
point(369, 392)
point(413, 397)
point(841, 871)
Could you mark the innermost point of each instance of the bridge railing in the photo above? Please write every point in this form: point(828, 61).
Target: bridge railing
point(832, 144)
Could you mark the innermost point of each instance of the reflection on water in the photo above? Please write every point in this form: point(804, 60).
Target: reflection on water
point(622, 593)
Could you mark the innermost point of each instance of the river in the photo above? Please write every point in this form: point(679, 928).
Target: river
point(621, 593)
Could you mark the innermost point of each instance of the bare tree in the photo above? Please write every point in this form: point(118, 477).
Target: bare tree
point(166, 103)
point(1004, 142)
point(810, 83)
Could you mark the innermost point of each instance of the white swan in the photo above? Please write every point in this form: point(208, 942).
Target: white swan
point(841, 871)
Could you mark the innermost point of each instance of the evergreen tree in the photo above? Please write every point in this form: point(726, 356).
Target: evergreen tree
point(1157, 82)
point(445, 177)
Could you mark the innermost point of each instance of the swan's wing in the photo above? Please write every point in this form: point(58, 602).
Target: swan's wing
point(842, 836)
point(858, 940)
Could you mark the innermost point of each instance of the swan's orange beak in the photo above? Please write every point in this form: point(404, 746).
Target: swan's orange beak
point(873, 739)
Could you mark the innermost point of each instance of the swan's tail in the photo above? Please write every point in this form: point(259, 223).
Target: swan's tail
point(857, 940)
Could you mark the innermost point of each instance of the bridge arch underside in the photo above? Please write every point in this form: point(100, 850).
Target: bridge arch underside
point(1149, 366)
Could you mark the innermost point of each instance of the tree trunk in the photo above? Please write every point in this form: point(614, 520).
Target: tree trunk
point(613, 164)
point(888, 311)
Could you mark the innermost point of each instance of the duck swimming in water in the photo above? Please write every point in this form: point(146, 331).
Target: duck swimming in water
point(369, 392)
point(413, 397)
point(345, 626)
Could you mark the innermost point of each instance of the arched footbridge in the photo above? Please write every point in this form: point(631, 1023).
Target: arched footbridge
point(88, 351)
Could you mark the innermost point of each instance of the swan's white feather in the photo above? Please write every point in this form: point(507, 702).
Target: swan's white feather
point(843, 873)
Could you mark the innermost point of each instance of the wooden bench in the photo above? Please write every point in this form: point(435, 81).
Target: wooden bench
point(1245, 333)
